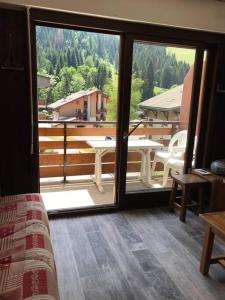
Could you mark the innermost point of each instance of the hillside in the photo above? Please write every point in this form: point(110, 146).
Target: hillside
point(182, 54)
point(78, 60)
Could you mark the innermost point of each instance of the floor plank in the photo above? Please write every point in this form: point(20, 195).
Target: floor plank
point(137, 254)
point(68, 276)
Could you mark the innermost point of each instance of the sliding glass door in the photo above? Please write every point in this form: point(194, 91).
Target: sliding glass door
point(117, 110)
point(163, 99)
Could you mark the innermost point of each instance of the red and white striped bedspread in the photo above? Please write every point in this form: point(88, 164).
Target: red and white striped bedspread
point(27, 268)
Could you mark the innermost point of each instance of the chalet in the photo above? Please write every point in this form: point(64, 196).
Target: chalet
point(165, 106)
point(109, 251)
point(87, 105)
point(174, 104)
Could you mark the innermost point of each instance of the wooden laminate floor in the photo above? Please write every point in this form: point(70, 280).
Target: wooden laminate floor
point(138, 254)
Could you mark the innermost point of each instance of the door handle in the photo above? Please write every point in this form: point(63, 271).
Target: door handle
point(126, 136)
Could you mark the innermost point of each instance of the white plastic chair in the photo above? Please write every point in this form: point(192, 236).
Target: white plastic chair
point(177, 165)
point(176, 149)
point(174, 164)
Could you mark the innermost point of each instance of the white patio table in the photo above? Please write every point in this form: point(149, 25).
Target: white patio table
point(144, 147)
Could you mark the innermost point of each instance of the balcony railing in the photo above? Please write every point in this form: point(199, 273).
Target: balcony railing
point(64, 150)
point(101, 110)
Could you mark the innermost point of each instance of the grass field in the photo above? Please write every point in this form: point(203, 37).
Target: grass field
point(187, 55)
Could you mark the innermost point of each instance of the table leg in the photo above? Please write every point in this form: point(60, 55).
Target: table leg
point(96, 167)
point(143, 166)
point(148, 166)
point(207, 250)
point(173, 195)
point(200, 199)
point(98, 170)
point(184, 202)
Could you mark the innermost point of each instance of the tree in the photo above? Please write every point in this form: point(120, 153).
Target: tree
point(111, 89)
point(61, 61)
point(57, 69)
point(135, 69)
point(84, 70)
point(80, 58)
point(148, 84)
point(50, 97)
point(53, 59)
point(70, 81)
point(89, 61)
point(94, 59)
point(101, 76)
point(91, 78)
point(73, 60)
point(136, 88)
point(167, 77)
point(68, 58)
point(51, 70)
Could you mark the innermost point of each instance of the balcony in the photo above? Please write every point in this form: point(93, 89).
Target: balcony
point(67, 163)
point(101, 110)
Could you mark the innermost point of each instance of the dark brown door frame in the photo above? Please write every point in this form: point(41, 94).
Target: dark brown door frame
point(152, 33)
point(134, 196)
point(194, 105)
point(123, 117)
point(34, 109)
point(210, 106)
point(206, 100)
point(122, 51)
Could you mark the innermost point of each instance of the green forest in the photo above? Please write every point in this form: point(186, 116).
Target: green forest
point(78, 60)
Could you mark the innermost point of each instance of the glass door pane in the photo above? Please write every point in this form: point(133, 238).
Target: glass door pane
point(161, 91)
point(77, 84)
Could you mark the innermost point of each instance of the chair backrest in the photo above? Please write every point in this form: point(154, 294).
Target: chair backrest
point(179, 139)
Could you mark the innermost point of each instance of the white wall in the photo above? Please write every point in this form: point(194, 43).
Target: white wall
point(199, 14)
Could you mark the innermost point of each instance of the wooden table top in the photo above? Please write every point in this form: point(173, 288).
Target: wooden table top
point(132, 144)
point(210, 177)
point(216, 220)
point(189, 179)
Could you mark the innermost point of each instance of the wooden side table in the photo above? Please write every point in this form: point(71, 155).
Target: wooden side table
point(187, 182)
point(217, 182)
point(215, 225)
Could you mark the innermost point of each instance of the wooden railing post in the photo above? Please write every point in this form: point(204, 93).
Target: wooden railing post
point(64, 151)
point(174, 129)
point(148, 125)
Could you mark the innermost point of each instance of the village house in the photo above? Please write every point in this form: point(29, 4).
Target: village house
point(173, 105)
point(165, 106)
point(87, 105)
